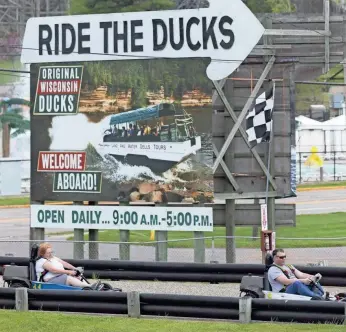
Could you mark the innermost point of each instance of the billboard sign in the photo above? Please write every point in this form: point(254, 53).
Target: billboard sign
point(51, 161)
point(122, 217)
point(122, 102)
point(135, 135)
point(58, 90)
point(226, 32)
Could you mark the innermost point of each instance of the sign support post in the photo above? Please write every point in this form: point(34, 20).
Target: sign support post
point(230, 231)
point(199, 251)
point(36, 233)
point(93, 236)
point(161, 250)
point(78, 237)
point(124, 248)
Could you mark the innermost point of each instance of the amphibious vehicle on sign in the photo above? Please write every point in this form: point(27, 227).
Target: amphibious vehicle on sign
point(157, 137)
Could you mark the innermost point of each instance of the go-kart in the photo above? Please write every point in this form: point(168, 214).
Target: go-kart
point(259, 287)
point(23, 276)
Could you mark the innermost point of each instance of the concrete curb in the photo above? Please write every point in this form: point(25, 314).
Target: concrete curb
point(70, 203)
point(14, 206)
point(21, 206)
point(28, 205)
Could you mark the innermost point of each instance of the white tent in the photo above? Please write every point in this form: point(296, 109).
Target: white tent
point(328, 136)
point(335, 134)
point(304, 121)
point(309, 133)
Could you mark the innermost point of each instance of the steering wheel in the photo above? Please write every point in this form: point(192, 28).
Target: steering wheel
point(79, 271)
point(314, 282)
point(317, 277)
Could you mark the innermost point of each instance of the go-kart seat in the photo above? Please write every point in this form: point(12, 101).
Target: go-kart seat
point(32, 262)
point(268, 263)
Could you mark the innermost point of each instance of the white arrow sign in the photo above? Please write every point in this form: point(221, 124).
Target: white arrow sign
point(226, 33)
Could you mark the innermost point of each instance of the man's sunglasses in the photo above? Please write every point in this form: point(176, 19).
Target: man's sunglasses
point(281, 257)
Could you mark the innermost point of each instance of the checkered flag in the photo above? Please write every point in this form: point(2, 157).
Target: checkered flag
point(259, 119)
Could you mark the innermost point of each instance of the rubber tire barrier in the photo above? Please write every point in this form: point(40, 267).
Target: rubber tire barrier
point(178, 306)
point(195, 272)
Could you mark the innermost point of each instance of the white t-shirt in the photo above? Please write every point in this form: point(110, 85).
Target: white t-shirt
point(40, 269)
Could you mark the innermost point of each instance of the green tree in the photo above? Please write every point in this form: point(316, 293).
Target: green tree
point(270, 6)
point(118, 6)
point(11, 118)
point(281, 6)
point(258, 6)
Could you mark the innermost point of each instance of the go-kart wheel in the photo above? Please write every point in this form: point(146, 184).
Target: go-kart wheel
point(117, 290)
point(18, 285)
point(251, 294)
point(106, 287)
point(87, 288)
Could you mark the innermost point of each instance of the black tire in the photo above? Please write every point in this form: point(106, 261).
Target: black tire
point(117, 290)
point(252, 295)
point(87, 288)
point(18, 285)
point(106, 287)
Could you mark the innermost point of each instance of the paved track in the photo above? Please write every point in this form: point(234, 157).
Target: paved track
point(318, 202)
point(186, 288)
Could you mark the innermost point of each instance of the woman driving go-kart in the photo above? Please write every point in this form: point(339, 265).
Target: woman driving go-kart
point(52, 269)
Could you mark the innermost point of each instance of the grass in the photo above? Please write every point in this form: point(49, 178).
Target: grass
point(55, 322)
point(308, 226)
point(14, 200)
point(22, 200)
point(323, 184)
point(60, 233)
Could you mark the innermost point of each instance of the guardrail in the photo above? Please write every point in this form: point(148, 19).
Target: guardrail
point(136, 305)
point(193, 272)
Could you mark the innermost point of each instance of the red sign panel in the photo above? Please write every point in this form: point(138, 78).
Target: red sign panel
point(67, 87)
point(61, 161)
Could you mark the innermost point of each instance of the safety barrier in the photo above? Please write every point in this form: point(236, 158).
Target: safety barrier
point(136, 305)
point(193, 272)
point(294, 311)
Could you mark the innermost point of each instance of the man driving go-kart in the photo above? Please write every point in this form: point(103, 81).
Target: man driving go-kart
point(50, 268)
point(285, 278)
